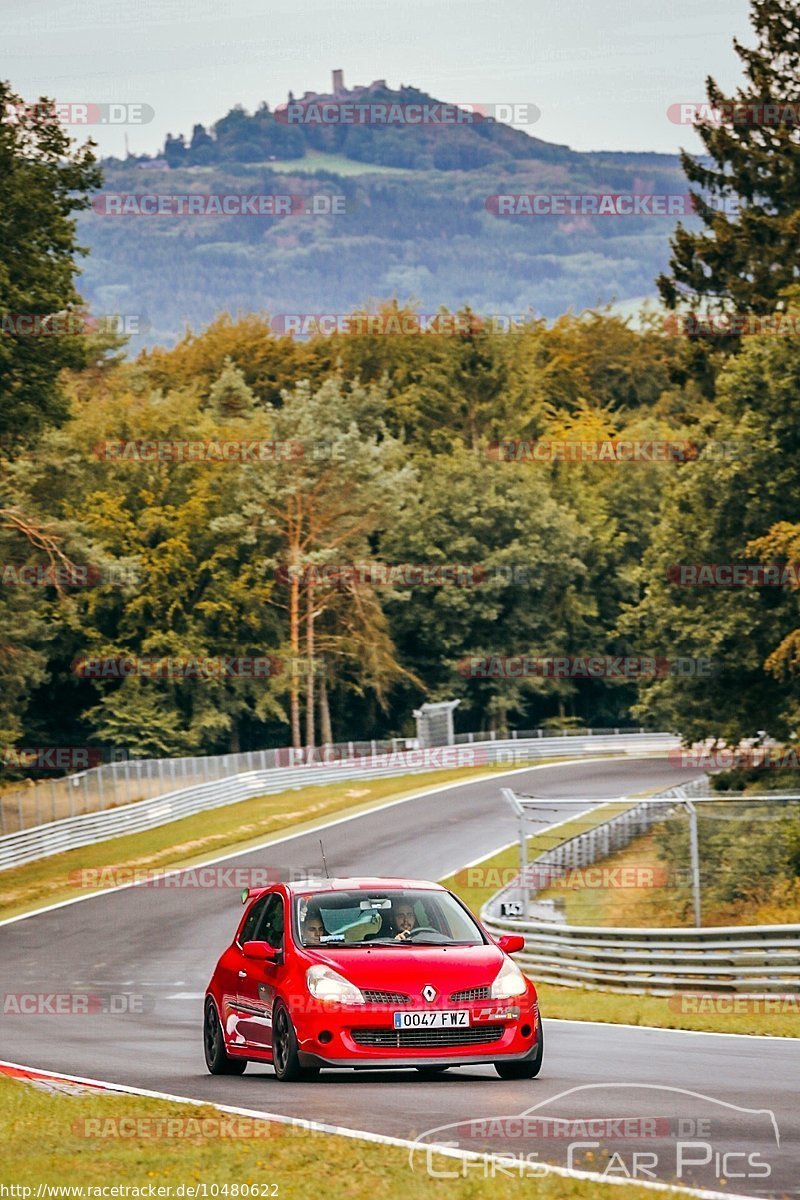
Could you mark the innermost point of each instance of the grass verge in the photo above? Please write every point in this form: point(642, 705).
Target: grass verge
point(777, 1017)
point(197, 839)
point(45, 1142)
point(319, 160)
point(654, 900)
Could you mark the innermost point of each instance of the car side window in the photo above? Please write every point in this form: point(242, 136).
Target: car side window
point(270, 925)
point(248, 929)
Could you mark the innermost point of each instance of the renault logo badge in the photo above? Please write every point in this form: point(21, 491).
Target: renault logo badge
point(429, 992)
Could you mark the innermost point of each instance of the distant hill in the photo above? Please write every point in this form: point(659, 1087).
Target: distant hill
point(416, 221)
point(401, 127)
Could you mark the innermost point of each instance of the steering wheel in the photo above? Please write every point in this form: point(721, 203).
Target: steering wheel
point(423, 929)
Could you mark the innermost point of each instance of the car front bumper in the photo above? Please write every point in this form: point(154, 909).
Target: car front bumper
point(346, 1038)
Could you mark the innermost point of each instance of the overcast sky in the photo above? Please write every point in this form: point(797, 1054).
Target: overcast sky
point(602, 72)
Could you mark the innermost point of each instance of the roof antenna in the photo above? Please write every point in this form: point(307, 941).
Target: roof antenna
point(325, 865)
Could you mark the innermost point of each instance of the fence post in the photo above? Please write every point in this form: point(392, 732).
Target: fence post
point(695, 856)
point(523, 868)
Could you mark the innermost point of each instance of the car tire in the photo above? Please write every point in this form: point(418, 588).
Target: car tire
point(285, 1056)
point(218, 1061)
point(524, 1068)
point(432, 1071)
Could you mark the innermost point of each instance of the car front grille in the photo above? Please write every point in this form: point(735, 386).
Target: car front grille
point(469, 1035)
point(373, 996)
point(473, 993)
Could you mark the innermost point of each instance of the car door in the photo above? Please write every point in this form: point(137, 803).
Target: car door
point(233, 972)
point(258, 979)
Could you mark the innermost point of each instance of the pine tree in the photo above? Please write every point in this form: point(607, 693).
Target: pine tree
point(229, 395)
point(743, 260)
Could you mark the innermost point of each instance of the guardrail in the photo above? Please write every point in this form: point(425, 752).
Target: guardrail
point(762, 959)
point(71, 833)
point(126, 781)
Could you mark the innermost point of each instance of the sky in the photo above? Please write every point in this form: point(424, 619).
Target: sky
point(602, 72)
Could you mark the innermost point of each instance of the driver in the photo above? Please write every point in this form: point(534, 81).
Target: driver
point(313, 928)
point(405, 919)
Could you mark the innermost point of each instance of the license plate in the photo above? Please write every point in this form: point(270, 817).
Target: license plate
point(431, 1019)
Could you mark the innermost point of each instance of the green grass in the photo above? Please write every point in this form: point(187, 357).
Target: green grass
point(45, 1141)
point(661, 904)
point(202, 837)
point(713, 1014)
point(318, 160)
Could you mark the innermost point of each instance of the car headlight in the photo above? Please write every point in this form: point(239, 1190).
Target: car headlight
point(326, 984)
point(509, 982)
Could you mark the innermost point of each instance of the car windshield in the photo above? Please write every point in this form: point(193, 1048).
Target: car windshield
point(394, 917)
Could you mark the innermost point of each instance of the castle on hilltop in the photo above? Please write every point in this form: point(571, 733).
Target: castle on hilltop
point(340, 92)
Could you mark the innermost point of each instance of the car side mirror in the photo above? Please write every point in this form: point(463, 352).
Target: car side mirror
point(511, 942)
point(260, 950)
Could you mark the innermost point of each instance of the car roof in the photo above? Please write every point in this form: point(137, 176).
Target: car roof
point(360, 883)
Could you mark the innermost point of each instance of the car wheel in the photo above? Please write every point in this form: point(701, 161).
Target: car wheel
point(218, 1061)
point(430, 1072)
point(285, 1058)
point(525, 1068)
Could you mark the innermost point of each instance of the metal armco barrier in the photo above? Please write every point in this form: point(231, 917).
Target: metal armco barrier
point(750, 959)
point(124, 782)
point(73, 832)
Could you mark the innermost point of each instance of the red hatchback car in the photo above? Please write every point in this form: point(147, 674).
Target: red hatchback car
point(368, 973)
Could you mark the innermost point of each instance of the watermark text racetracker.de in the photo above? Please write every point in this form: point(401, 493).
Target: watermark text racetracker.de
point(219, 666)
point(188, 450)
point(345, 576)
point(735, 575)
point(72, 323)
point(77, 113)
point(695, 1146)
point(769, 113)
point(433, 114)
point(68, 574)
point(734, 324)
point(590, 666)
point(217, 204)
point(604, 204)
point(611, 450)
point(396, 323)
point(766, 758)
point(210, 876)
point(75, 1004)
point(741, 1004)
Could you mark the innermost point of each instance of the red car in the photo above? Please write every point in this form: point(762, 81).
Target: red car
point(368, 973)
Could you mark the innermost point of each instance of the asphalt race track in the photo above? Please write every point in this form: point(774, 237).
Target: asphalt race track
point(728, 1105)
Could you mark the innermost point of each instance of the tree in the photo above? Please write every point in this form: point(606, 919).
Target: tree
point(719, 509)
point(175, 150)
point(230, 396)
point(139, 720)
point(44, 179)
point(322, 505)
point(744, 260)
